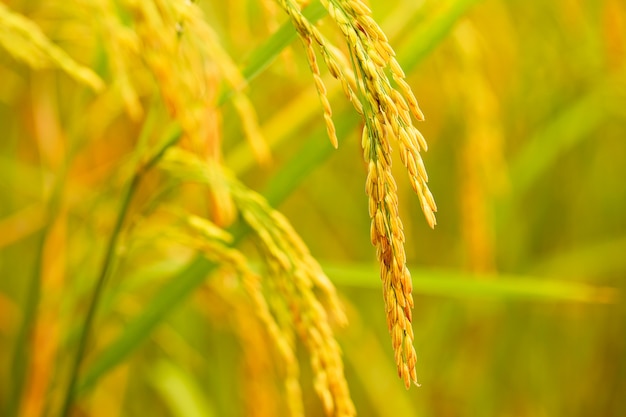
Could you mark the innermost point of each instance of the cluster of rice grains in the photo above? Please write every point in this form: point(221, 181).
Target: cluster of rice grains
point(387, 106)
point(296, 277)
point(188, 63)
point(295, 299)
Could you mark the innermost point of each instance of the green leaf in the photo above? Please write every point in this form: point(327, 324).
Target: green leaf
point(465, 285)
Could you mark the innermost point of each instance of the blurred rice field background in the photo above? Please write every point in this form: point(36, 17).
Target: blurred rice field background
point(518, 290)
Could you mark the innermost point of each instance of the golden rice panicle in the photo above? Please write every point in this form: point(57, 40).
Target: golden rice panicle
point(295, 275)
point(283, 245)
point(388, 236)
point(329, 381)
point(372, 54)
point(188, 62)
point(388, 106)
point(213, 241)
point(388, 113)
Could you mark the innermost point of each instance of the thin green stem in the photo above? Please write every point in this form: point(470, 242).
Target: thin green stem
point(97, 295)
point(172, 136)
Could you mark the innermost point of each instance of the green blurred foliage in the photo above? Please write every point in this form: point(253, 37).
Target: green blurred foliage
point(518, 288)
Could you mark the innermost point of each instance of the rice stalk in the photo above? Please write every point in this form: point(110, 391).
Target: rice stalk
point(294, 276)
point(286, 299)
point(388, 107)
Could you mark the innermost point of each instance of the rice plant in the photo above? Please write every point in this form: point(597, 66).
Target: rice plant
point(199, 208)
